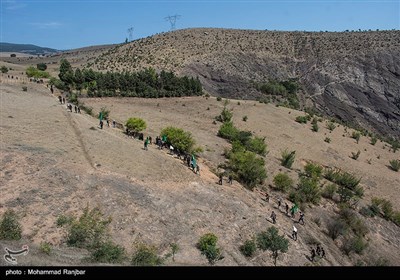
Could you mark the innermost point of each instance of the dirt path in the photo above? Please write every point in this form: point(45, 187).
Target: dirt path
point(78, 135)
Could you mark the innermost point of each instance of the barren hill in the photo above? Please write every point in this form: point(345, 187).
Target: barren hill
point(55, 162)
point(354, 76)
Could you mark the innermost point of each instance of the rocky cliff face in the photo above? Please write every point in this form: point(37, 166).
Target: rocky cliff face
point(362, 89)
point(354, 76)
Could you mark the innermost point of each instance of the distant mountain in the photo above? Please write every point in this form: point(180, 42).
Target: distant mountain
point(26, 48)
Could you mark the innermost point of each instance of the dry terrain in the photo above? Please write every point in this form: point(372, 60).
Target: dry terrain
point(56, 162)
point(352, 76)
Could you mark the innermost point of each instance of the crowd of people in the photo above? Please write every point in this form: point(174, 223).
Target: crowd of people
point(319, 251)
point(162, 143)
point(297, 216)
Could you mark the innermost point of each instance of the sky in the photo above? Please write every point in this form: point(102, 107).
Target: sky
point(69, 24)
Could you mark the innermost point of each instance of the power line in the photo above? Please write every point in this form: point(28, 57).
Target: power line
point(172, 20)
point(130, 33)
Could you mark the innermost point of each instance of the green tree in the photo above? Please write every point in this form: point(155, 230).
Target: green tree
point(349, 189)
point(179, 139)
point(108, 252)
point(283, 182)
point(301, 119)
point(78, 79)
point(89, 75)
point(312, 170)
point(41, 66)
point(33, 72)
point(257, 145)
point(136, 124)
point(10, 228)
point(356, 244)
point(89, 231)
point(248, 168)
point(329, 191)
point(92, 88)
point(228, 131)
point(145, 255)
point(4, 69)
point(309, 190)
point(66, 73)
point(271, 240)
point(208, 246)
point(248, 248)
point(225, 116)
point(288, 158)
point(395, 145)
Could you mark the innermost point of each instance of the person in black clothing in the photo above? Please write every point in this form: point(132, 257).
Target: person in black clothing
point(301, 219)
point(101, 124)
point(322, 252)
point(318, 250)
point(287, 209)
point(230, 178)
point(312, 254)
point(273, 217)
point(220, 178)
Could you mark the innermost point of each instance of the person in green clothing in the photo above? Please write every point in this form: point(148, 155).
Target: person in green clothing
point(293, 210)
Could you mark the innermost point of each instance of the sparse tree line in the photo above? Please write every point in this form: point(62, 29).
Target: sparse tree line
point(286, 90)
point(146, 83)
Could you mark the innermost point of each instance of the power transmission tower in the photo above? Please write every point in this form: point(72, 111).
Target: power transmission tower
point(130, 33)
point(172, 20)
